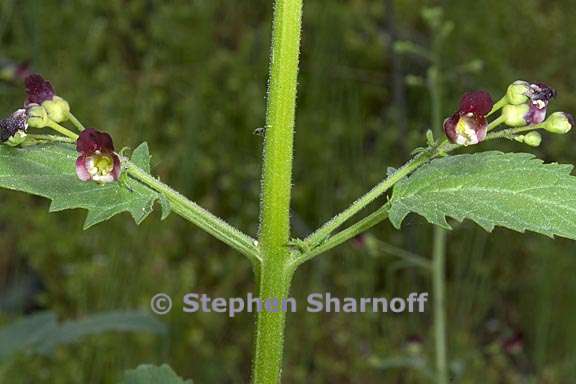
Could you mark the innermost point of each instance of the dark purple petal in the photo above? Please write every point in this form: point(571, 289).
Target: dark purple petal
point(541, 91)
point(81, 170)
point(535, 114)
point(450, 127)
point(38, 89)
point(91, 140)
point(117, 167)
point(12, 124)
point(477, 102)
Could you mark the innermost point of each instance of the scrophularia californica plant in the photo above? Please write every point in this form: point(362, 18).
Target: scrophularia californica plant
point(87, 157)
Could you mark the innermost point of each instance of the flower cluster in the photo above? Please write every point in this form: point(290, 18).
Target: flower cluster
point(42, 108)
point(528, 103)
point(524, 106)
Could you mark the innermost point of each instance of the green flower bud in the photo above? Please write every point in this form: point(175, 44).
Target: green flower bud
point(57, 109)
point(37, 117)
point(16, 139)
point(517, 92)
point(533, 139)
point(515, 115)
point(559, 122)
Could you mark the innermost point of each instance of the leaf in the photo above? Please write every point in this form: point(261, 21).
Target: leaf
point(513, 190)
point(24, 333)
point(49, 171)
point(149, 374)
point(116, 321)
point(141, 157)
point(41, 333)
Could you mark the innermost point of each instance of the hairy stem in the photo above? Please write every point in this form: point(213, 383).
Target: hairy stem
point(439, 246)
point(341, 237)
point(325, 230)
point(439, 293)
point(198, 215)
point(276, 272)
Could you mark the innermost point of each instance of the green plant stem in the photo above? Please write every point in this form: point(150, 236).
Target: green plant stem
point(76, 122)
point(63, 130)
point(322, 235)
point(341, 237)
point(435, 84)
point(498, 105)
point(276, 273)
point(438, 282)
point(198, 215)
point(325, 230)
point(51, 138)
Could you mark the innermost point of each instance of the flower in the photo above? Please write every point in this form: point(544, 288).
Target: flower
point(97, 160)
point(13, 126)
point(468, 125)
point(40, 92)
point(535, 95)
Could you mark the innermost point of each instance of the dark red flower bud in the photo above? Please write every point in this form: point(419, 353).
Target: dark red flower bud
point(97, 160)
point(468, 125)
point(38, 89)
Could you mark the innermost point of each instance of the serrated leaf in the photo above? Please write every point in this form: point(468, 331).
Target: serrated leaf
point(150, 374)
point(49, 171)
point(512, 190)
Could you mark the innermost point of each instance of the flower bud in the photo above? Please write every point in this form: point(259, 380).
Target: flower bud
point(57, 109)
point(517, 92)
point(533, 139)
point(16, 139)
point(559, 122)
point(37, 116)
point(515, 115)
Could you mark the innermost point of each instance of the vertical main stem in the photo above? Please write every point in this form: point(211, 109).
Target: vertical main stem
point(274, 233)
point(439, 250)
point(438, 279)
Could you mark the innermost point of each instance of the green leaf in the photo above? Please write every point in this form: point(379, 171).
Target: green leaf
point(141, 157)
point(41, 333)
point(149, 374)
point(513, 190)
point(49, 171)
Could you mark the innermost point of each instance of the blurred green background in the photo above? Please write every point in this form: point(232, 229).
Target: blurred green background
point(189, 77)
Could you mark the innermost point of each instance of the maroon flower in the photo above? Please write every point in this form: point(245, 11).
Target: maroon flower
point(13, 124)
point(38, 89)
point(468, 125)
point(97, 160)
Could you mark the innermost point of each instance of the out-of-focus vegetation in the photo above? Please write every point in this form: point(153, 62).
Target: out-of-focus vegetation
point(189, 77)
